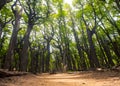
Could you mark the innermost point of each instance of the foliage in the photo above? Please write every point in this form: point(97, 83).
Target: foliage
point(64, 35)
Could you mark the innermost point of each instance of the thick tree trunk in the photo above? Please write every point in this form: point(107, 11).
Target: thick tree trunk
point(10, 52)
point(69, 57)
point(42, 63)
point(42, 59)
point(74, 60)
point(64, 59)
point(24, 51)
point(93, 57)
point(2, 41)
point(48, 57)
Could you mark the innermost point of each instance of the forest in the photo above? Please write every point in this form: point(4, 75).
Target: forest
point(40, 36)
point(78, 41)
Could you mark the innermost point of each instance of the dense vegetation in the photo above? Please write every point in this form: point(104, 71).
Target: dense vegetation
point(50, 35)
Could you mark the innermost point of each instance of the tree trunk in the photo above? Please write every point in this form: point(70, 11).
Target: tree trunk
point(93, 57)
point(83, 65)
point(0, 30)
point(10, 52)
point(115, 47)
point(24, 50)
point(48, 57)
point(104, 61)
point(107, 51)
point(34, 61)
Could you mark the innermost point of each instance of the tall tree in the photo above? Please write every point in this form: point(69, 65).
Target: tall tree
point(33, 14)
point(13, 41)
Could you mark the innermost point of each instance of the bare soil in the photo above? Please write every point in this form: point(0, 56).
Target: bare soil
point(85, 78)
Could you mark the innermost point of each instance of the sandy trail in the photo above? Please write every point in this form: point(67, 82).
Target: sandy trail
point(65, 79)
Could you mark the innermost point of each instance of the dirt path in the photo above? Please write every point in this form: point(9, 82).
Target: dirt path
point(67, 79)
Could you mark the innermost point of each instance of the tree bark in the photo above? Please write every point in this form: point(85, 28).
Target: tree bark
point(0, 30)
point(24, 51)
point(13, 44)
point(107, 51)
point(83, 65)
point(34, 61)
point(48, 57)
point(93, 57)
point(104, 61)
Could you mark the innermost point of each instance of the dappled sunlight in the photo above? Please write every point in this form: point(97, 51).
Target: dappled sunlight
point(68, 1)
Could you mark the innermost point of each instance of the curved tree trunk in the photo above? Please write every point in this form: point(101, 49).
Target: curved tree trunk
point(12, 44)
point(24, 51)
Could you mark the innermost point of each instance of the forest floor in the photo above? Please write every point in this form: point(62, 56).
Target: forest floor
point(85, 78)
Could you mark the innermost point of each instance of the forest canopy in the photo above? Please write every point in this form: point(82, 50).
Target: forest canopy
point(53, 35)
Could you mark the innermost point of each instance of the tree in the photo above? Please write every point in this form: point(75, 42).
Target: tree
point(32, 12)
point(50, 35)
point(13, 41)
